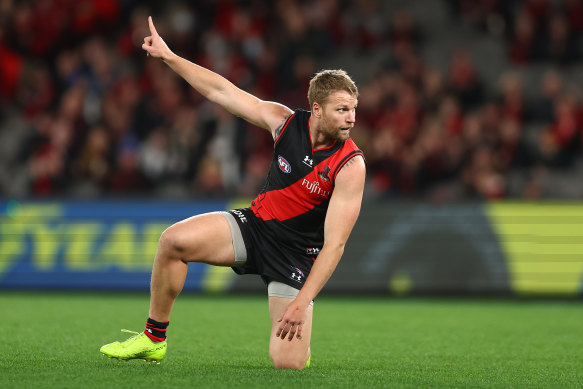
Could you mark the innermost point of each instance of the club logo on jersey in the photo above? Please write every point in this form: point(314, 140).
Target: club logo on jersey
point(284, 165)
point(297, 275)
point(324, 173)
point(308, 161)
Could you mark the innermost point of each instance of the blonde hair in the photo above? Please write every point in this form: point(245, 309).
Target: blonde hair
point(327, 81)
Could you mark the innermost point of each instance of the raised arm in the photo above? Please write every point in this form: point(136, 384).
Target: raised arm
point(265, 114)
point(342, 213)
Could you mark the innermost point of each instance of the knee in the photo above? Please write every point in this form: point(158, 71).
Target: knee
point(288, 362)
point(171, 241)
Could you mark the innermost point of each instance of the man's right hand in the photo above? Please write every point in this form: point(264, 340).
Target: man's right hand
point(154, 45)
point(219, 90)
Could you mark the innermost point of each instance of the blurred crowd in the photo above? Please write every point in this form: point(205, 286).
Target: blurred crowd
point(84, 113)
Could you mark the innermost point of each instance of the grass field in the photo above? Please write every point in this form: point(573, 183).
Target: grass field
point(52, 340)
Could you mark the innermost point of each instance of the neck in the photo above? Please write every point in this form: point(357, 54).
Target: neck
point(317, 136)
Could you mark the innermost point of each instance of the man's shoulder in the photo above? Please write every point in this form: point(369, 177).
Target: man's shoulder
point(297, 120)
point(298, 117)
point(350, 147)
point(302, 114)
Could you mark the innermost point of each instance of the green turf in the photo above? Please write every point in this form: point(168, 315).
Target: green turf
point(52, 341)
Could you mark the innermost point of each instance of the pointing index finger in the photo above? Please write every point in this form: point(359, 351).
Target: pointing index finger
point(152, 28)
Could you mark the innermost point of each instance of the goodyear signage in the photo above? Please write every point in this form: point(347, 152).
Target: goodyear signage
point(98, 245)
point(508, 248)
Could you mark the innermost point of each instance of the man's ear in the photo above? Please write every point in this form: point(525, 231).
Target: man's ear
point(317, 110)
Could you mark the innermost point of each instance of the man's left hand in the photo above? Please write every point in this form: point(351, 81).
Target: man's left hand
point(292, 321)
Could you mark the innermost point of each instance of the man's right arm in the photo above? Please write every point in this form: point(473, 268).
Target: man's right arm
point(265, 114)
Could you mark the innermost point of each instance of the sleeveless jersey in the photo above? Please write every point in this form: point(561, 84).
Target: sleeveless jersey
point(294, 200)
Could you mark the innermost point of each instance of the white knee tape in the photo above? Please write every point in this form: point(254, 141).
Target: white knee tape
point(279, 289)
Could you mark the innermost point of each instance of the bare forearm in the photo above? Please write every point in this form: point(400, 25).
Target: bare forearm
point(207, 83)
point(216, 88)
point(321, 272)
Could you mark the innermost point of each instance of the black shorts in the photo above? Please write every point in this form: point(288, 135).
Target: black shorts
point(268, 255)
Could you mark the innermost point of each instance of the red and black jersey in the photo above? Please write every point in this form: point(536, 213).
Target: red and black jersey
point(300, 182)
point(283, 230)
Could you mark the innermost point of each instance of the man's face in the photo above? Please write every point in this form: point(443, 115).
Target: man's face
point(338, 115)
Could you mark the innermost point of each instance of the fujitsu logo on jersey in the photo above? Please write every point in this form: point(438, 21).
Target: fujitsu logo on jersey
point(314, 187)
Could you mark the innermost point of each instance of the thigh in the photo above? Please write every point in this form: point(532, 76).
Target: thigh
point(283, 350)
point(203, 238)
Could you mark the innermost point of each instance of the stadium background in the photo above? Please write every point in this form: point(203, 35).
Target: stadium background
point(470, 117)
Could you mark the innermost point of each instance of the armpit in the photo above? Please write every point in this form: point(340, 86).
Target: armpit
point(279, 129)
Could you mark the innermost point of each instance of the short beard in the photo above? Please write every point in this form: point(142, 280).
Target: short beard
point(332, 134)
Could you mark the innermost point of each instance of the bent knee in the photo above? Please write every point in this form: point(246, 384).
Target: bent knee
point(289, 363)
point(172, 240)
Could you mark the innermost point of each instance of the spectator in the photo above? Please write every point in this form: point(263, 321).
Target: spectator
point(463, 80)
point(103, 121)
